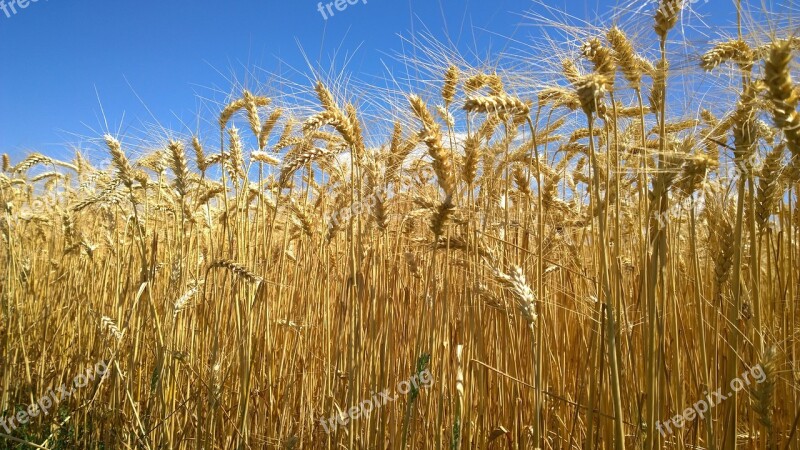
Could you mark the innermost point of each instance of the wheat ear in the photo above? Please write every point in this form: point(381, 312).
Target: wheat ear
point(237, 269)
point(108, 324)
point(264, 157)
point(768, 183)
point(179, 166)
point(251, 105)
point(267, 127)
point(522, 294)
point(450, 85)
point(667, 16)
point(781, 91)
point(764, 394)
point(625, 56)
point(602, 59)
point(439, 218)
point(30, 161)
point(119, 160)
point(229, 110)
point(432, 136)
point(734, 50)
point(501, 103)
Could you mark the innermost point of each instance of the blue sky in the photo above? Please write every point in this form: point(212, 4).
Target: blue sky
point(62, 61)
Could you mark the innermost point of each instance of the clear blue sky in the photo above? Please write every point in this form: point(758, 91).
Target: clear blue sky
point(62, 59)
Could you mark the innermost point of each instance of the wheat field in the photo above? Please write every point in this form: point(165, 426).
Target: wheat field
point(562, 260)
